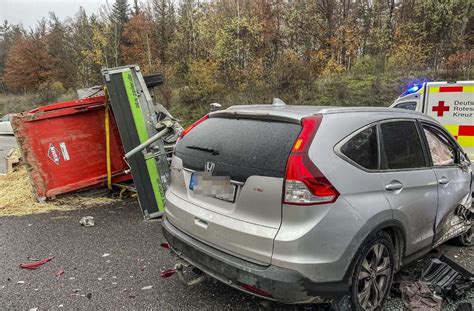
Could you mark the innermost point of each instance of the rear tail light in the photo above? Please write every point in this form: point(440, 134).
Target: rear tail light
point(189, 128)
point(304, 182)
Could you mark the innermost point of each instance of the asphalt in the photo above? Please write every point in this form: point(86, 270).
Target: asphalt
point(94, 280)
point(7, 142)
point(91, 281)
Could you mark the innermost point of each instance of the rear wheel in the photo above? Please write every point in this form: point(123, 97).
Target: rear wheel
point(373, 273)
point(466, 239)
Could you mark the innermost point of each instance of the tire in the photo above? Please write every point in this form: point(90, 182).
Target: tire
point(373, 274)
point(466, 239)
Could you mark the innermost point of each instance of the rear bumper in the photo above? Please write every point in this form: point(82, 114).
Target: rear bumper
point(271, 282)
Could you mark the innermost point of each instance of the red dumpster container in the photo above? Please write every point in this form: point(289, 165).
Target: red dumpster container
point(64, 146)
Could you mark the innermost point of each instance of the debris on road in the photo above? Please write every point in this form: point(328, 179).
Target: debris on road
point(35, 264)
point(106, 255)
point(167, 273)
point(165, 245)
point(438, 282)
point(147, 287)
point(59, 272)
point(447, 278)
point(418, 296)
point(87, 221)
point(465, 306)
point(20, 282)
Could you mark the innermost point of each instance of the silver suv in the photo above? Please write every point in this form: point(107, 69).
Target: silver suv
point(303, 204)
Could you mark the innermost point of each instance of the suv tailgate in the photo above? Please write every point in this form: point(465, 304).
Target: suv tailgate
point(253, 155)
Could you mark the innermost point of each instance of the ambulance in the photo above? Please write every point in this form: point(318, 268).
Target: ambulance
point(451, 104)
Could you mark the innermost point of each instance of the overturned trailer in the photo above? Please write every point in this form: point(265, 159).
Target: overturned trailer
point(102, 140)
point(70, 146)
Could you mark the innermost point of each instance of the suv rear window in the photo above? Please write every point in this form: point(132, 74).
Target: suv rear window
point(362, 148)
point(239, 147)
point(402, 145)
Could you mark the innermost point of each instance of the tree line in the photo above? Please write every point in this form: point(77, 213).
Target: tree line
point(245, 50)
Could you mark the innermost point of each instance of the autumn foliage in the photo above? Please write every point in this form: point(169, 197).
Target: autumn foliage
point(239, 51)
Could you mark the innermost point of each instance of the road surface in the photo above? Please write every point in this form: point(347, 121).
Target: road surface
point(113, 265)
point(7, 142)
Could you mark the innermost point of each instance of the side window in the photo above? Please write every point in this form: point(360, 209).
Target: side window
point(402, 145)
point(441, 150)
point(362, 148)
point(407, 105)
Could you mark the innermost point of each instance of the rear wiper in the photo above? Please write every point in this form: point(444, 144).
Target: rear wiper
point(206, 149)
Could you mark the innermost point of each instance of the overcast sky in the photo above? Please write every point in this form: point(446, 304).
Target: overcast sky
point(28, 12)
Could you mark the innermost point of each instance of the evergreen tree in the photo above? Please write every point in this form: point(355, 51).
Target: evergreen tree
point(120, 12)
point(136, 7)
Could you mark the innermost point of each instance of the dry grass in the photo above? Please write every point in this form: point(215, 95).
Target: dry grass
point(17, 197)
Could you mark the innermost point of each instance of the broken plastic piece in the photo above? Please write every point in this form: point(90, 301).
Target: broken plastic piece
point(165, 245)
point(465, 306)
point(35, 264)
point(167, 273)
point(447, 278)
point(87, 221)
point(60, 272)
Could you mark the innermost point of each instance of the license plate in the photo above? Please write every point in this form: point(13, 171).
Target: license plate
point(218, 187)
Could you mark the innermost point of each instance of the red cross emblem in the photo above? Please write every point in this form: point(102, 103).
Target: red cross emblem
point(441, 108)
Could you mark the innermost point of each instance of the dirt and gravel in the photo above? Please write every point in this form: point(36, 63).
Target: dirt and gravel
point(112, 265)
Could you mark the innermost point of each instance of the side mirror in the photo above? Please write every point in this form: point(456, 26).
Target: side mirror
point(464, 161)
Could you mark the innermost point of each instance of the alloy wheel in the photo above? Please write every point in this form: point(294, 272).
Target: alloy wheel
point(374, 276)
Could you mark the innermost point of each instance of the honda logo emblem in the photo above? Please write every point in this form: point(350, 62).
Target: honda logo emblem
point(209, 167)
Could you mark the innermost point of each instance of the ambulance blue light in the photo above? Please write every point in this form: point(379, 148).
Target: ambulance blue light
point(413, 89)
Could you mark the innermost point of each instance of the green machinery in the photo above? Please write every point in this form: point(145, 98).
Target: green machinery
point(148, 133)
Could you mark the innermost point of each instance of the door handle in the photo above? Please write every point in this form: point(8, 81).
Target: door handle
point(443, 180)
point(394, 185)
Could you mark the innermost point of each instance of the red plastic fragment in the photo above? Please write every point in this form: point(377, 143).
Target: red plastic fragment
point(60, 272)
point(132, 295)
point(167, 273)
point(165, 245)
point(35, 264)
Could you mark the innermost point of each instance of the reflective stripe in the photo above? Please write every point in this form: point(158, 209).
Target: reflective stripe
point(453, 129)
point(466, 141)
point(466, 130)
point(454, 89)
point(464, 134)
point(449, 89)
